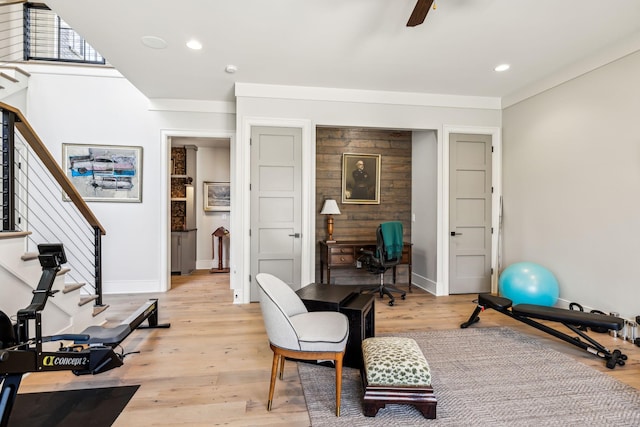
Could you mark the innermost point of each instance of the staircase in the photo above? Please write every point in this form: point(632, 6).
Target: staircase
point(68, 311)
point(12, 80)
point(33, 212)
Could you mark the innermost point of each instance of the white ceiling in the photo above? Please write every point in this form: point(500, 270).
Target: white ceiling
point(355, 44)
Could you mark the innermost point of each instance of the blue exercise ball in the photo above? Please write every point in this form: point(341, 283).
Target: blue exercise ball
point(529, 283)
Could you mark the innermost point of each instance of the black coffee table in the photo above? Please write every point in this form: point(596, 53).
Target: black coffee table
point(359, 308)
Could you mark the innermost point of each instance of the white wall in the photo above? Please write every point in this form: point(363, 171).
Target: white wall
point(331, 107)
point(97, 106)
point(66, 105)
point(424, 197)
point(571, 169)
point(213, 166)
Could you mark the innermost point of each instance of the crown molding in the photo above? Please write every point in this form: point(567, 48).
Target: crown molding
point(253, 90)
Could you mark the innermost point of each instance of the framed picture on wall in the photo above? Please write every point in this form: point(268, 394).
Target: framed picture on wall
point(104, 173)
point(361, 179)
point(217, 196)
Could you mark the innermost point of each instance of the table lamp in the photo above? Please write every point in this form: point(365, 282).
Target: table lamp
point(330, 208)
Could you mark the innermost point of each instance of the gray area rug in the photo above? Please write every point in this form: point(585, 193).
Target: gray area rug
point(485, 377)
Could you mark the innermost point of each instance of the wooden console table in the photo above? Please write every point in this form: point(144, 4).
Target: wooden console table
point(345, 253)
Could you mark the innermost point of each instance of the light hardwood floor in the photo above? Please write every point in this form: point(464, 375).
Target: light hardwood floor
point(212, 366)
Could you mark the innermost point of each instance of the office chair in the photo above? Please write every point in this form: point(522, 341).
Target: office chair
point(299, 334)
point(388, 254)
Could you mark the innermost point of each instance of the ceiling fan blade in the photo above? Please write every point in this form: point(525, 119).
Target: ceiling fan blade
point(419, 12)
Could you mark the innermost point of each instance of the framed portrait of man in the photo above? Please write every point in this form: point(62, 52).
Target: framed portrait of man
point(361, 179)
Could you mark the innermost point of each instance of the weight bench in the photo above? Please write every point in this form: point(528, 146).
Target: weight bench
point(572, 319)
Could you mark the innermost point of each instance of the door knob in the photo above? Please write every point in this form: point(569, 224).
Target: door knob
point(295, 235)
point(454, 234)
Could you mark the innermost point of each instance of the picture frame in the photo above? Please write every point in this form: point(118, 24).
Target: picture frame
point(361, 178)
point(217, 197)
point(104, 173)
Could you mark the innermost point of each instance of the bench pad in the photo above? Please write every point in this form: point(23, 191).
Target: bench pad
point(554, 314)
point(396, 371)
point(572, 317)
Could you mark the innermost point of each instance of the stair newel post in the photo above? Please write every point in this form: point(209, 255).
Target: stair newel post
point(8, 171)
point(98, 263)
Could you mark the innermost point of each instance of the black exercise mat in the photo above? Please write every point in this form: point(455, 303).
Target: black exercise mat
point(95, 407)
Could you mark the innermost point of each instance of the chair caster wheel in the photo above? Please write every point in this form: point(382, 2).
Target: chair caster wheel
point(403, 297)
point(391, 303)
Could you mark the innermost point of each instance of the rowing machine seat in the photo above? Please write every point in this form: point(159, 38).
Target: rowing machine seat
point(572, 317)
point(105, 336)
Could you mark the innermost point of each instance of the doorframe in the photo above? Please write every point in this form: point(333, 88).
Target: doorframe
point(442, 285)
point(240, 193)
point(165, 186)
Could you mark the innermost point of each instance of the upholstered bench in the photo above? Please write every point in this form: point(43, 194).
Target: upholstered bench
point(396, 371)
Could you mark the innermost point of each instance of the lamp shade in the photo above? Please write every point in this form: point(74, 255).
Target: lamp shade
point(330, 207)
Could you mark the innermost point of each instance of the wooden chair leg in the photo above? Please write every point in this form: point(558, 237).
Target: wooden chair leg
point(282, 367)
point(274, 371)
point(339, 357)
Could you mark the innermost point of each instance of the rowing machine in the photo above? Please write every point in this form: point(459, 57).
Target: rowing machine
point(92, 352)
point(571, 319)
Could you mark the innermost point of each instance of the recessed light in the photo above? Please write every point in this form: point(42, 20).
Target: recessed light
point(154, 42)
point(502, 67)
point(194, 44)
point(231, 68)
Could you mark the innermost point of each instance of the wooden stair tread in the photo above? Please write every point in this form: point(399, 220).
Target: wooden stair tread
point(13, 234)
point(8, 77)
point(28, 256)
point(88, 299)
point(70, 287)
point(15, 69)
point(99, 309)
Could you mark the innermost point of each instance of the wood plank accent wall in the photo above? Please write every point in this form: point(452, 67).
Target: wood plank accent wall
point(361, 221)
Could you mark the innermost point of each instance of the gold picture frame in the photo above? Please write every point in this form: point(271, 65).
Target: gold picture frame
point(217, 197)
point(361, 178)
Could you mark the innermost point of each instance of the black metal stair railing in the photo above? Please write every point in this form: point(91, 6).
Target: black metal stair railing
point(38, 197)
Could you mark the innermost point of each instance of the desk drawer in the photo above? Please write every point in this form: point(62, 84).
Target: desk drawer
point(348, 250)
point(342, 259)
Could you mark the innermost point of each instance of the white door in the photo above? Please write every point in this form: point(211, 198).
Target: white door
point(470, 191)
point(276, 204)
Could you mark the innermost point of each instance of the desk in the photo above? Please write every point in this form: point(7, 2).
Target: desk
point(359, 309)
point(345, 253)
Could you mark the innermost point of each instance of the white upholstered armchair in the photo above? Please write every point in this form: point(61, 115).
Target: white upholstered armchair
point(298, 334)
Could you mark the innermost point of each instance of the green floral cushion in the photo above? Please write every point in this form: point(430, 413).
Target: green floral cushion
point(394, 361)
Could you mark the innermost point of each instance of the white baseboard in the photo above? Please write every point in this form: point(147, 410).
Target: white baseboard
point(131, 287)
point(423, 283)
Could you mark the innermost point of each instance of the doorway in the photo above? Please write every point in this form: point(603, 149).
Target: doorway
point(210, 162)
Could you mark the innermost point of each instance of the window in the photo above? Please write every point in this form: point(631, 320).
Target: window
point(48, 38)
